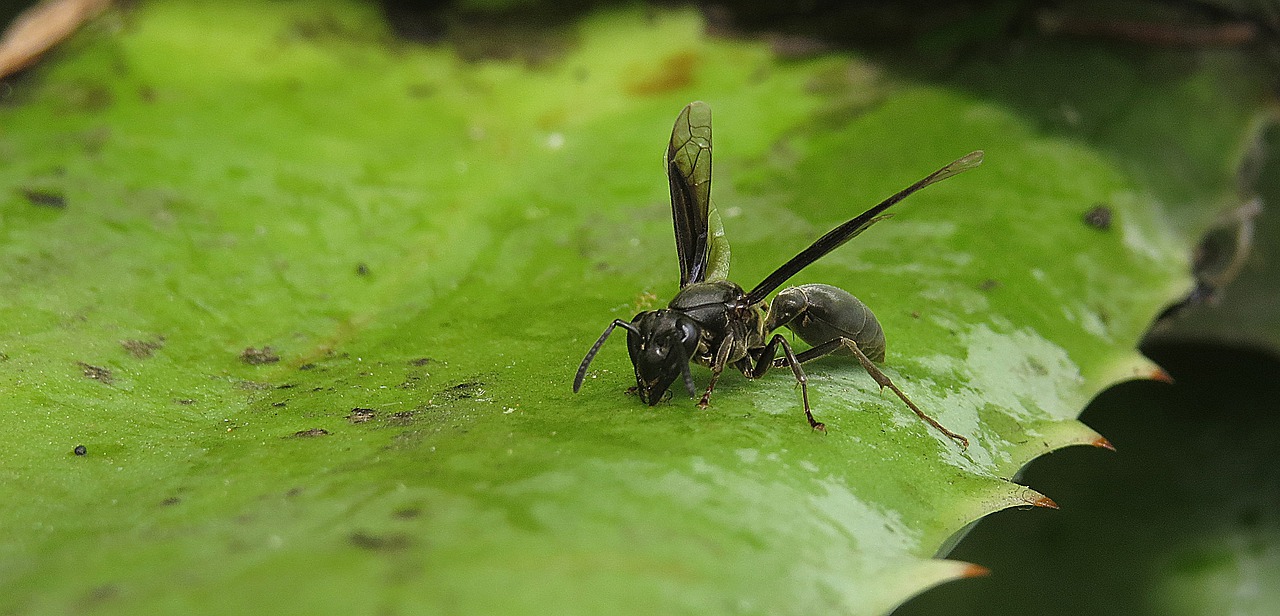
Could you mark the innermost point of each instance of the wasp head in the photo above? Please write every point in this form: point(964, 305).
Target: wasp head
point(661, 345)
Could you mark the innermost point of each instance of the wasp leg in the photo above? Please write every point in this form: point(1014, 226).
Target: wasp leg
point(765, 360)
point(884, 381)
point(717, 366)
point(881, 379)
point(808, 355)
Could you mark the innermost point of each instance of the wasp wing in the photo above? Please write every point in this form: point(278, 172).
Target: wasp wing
point(718, 251)
point(700, 244)
point(847, 231)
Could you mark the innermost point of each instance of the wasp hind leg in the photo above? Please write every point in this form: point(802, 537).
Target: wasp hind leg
point(884, 381)
point(880, 378)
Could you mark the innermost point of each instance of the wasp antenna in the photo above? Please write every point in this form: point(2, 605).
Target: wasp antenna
point(595, 348)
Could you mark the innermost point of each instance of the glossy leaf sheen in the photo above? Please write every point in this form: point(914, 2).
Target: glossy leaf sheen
point(429, 246)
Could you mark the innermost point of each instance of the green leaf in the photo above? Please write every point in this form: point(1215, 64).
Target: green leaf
point(311, 299)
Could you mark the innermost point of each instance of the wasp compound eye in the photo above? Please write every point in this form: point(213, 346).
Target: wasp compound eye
point(688, 335)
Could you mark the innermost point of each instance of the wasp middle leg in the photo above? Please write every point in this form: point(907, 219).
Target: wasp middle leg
point(758, 363)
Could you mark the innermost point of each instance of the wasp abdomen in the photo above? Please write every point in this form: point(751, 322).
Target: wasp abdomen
point(820, 313)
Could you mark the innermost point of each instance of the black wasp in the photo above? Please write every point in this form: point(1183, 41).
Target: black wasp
point(716, 323)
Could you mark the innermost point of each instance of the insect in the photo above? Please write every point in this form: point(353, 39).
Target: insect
point(716, 323)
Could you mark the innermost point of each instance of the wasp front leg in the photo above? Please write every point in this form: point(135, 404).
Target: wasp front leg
point(718, 362)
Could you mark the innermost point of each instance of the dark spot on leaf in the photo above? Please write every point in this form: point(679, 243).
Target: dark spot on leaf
point(146, 94)
point(45, 198)
point(99, 594)
point(142, 349)
point(257, 357)
point(307, 367)
point(1098, 217)
point(421, 90)
point(989, 284)
point(421, 361)
point(362, 270)
point(672, 73)
point(84, 96)
point(171, 501)
point(253, 385)
point(293, 492)
point(286, 386)
point(279, 404)
point(311, 433)
point(380, 543)
point(359, 415)
point(185, 401)
point(80, 450)
point(403, 418)
point(97, 373)
point(407, 513)
point(94, 139)
point(461, 391)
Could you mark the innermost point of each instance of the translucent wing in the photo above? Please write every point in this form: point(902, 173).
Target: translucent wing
point(700, 244)
point(718, 252)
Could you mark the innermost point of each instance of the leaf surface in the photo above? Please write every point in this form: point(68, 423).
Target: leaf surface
point(312, 299)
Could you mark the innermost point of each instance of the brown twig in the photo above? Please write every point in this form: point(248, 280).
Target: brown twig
point(41, 27)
